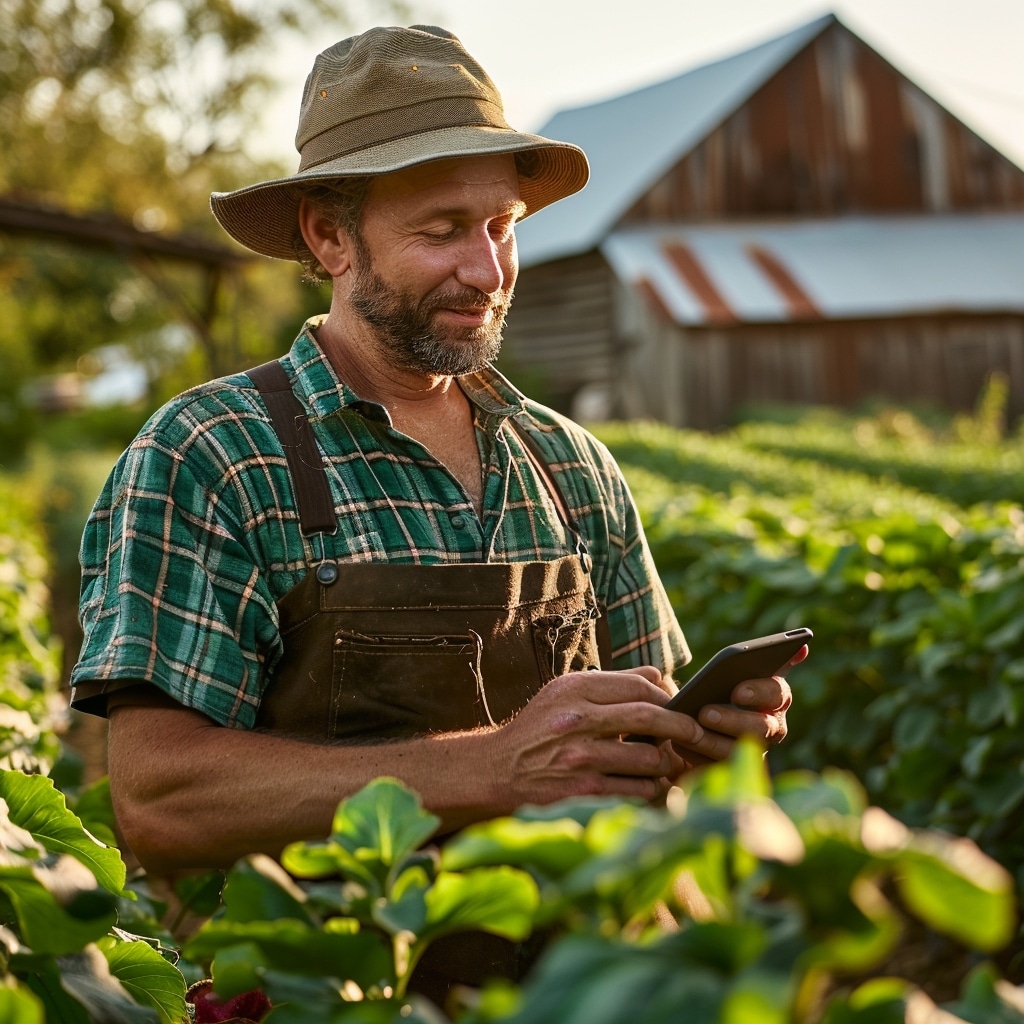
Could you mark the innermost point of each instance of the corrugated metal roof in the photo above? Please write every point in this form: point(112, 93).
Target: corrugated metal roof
point(846, 268)
point(632, 140)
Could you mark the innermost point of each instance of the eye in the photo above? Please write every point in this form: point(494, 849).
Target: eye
point(440, 233)
point(502, 230)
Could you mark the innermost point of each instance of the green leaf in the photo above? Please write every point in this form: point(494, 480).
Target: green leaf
point(743, 774)
point(982, 999)
point(406, 911)
point(956, 889)
point(200, 894)
point(551, 847)
point(86, 976)
point(58, 907)
point(364, 957)
point(34, 805)
point(95, 810)
point(148, 978)
point(19, 1005)
point(382, 824)
point(498, 900)
point(238, 969)
point(881, 1001)
point(258, 889)
point(59, 1006)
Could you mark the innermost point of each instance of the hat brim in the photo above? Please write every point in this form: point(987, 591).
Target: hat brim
point(264, 217)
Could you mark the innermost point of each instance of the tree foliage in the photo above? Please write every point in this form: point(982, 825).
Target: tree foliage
point(137, 109)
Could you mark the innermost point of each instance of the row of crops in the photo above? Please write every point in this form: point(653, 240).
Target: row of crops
point(802, 895)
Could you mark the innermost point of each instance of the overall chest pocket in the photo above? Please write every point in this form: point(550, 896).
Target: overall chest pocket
point(388, 686)
point(566, 642)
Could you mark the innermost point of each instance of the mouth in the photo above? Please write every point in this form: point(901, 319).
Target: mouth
point(468, 316)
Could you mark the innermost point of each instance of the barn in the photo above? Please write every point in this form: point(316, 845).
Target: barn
point(798, 223)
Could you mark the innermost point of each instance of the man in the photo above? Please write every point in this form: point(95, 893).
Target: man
point(375, 556)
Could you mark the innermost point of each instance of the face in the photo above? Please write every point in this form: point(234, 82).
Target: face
point(435, 262)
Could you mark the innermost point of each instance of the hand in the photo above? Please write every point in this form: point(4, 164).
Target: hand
point(567, 740)
point(761, 706)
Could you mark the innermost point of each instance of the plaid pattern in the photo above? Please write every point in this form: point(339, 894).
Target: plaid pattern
point(195, 535)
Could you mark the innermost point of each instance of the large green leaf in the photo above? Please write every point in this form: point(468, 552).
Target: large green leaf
point(86, 977)
point(34, 805)
point(374, 831)
point(95, 810)
point(551, 847)
point(147, 977)
point(19, 1005)
point(382, 824)
point(58, 907)
point(364, 957)
point(257, 889)
point(594, 981)
point(952, 886)
point(499, 900)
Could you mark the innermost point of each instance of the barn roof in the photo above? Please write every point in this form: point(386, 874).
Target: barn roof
point(838, 268)
point(632, 140)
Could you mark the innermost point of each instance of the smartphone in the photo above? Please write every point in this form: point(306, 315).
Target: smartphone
point(715, 680)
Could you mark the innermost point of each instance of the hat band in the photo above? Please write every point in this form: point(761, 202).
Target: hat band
point(391, 125)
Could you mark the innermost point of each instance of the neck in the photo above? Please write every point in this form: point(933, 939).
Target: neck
point(361, 362)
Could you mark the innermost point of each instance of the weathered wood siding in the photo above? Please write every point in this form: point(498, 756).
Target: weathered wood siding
point(560, 328)
point(703, 377)
point(837, 130)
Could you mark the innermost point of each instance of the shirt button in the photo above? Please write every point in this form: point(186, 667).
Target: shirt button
point(458, 521)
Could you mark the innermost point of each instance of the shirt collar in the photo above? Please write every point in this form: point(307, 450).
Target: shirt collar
point(325, 394)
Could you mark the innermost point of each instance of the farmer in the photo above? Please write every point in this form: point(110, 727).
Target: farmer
point(374, 556)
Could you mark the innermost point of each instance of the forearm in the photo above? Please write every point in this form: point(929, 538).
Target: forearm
point(189, 793)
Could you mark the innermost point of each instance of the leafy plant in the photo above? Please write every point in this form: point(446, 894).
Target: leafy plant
point(60, 889)
point(731, 905)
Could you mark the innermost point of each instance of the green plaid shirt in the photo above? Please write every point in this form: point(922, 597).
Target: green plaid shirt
point(195, 535)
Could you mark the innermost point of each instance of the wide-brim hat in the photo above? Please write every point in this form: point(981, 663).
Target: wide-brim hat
point(382, 101)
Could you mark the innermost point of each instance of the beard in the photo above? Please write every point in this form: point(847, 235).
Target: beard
point(407, 330)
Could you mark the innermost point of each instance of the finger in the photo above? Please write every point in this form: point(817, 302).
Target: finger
point(798, 657)
point(712, 746)
point(621, 686)
point(645, 760)
point(768, 695)
point(770, 727)
point(652, 675)
point(647, 722)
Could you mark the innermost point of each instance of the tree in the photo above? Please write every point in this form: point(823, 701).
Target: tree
point(139, 109)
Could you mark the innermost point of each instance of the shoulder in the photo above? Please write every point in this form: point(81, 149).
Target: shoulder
point(566, 444)
point(217, 408)
point(213, 429)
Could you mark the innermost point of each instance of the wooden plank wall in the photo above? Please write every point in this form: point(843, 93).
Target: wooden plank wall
point(942, 362)
point(837, 130)
point(559, 335)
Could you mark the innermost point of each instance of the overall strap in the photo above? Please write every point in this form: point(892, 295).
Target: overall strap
point(540, 464)
point(305, 465)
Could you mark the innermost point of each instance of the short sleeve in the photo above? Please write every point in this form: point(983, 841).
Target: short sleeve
point(171, 594)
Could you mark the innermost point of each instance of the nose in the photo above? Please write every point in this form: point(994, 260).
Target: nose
point(487, 263)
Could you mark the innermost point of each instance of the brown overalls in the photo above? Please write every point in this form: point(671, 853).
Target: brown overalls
point(376, 651)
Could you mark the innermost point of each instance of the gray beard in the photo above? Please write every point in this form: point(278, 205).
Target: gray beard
point(407, 330)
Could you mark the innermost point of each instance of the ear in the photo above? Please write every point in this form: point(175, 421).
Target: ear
point(330, 245)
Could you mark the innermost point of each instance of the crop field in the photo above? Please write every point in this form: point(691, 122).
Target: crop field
point(884, 839)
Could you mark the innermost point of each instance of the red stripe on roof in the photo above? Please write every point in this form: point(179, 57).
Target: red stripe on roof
point(801, 306)
point(650, 293)
point(685, 262)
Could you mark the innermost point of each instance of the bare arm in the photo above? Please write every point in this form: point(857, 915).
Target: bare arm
point(189, 793)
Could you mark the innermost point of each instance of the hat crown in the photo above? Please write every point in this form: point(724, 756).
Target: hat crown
point(385, 71)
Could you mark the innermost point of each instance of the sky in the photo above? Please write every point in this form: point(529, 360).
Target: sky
point(548, 55)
